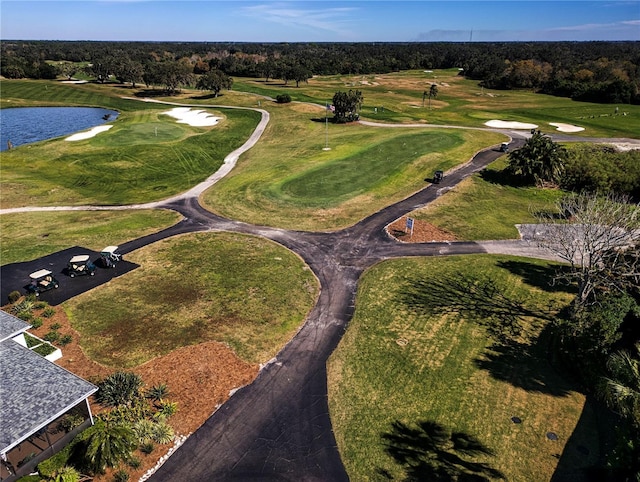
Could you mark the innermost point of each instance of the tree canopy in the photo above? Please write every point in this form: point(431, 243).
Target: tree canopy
point(215, 81)
point(604, 72)
point(347, 105)
point(539, 161)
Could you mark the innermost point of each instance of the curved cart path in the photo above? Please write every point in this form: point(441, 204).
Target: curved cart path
point(278, 428)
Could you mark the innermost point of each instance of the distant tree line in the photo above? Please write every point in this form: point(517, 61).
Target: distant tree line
point(607, 72)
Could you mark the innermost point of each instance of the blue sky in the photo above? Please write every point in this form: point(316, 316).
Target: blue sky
point(315, 21)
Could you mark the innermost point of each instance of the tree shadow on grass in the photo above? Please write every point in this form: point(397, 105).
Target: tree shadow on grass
point(547, 278)
point(502, 178)
point(329, 120)
point(151, 93)
point(526, 365)
point(431, 452)
point(477, 299)
point(521, 333)
point(207, 96)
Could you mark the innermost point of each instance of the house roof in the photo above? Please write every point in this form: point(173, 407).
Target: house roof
point(11, 326)
point(33, 391)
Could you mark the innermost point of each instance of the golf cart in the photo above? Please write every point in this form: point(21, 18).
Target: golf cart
point(80, 265)
point(110, 256)
point(41, 280)
point(504, 147)
point(437, 177)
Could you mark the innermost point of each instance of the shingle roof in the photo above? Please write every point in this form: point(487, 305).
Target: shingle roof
point(10, 326)
point(33, 392)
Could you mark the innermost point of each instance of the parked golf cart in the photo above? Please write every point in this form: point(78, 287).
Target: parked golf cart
point(110, 256)
point(80, 265)
point(42, 280)
point(437, 177)
point(504, 147)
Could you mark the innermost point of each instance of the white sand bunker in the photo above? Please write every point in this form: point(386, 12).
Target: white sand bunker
point(625, 146)
point(90, 133)
point(74, 81)
point(499, 124)
point(196, 118)
point(566, 127)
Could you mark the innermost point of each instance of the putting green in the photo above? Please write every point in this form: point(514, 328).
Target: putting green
point(147, 133)
point(342, 179)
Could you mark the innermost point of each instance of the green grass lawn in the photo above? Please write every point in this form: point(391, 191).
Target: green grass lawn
point(146, 156)
point(397, 97)
point(288, 180)
point(27, 236)
point(485, 206)
point(404, 367)
point(247, 292)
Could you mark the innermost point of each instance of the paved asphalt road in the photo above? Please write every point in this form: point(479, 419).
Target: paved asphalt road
point(278, 428)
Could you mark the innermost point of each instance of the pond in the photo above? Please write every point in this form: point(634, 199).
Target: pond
point(24, 125)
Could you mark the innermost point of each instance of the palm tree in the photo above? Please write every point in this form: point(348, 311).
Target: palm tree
point(540, 160)
point(433, 92)
point(106, 444)
point(621, 390)
point(119, 388)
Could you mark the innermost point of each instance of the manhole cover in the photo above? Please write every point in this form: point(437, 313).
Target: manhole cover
point(516, 419)
point(552, 436)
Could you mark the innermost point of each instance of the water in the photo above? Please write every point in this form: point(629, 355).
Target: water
point(24, 125)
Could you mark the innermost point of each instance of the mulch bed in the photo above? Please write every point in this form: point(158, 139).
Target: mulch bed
point(423, 232)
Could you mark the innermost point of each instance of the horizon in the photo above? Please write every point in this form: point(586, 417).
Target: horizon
point(311, 21)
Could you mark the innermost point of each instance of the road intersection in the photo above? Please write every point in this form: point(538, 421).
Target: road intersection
point(278, 428)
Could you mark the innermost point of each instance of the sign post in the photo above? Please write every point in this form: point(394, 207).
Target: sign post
point(410, 226)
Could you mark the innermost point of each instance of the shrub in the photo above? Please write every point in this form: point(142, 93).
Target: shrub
point(65, 340)
point(283, 98)
point(147, 448)
point(38, 305)
point(24, 305)
point(120, 388)
point(158, 392)
point(162, 433)
point(25, 316)
point(166, 409)
point(36, 322)
point(56, 326)
point(48, 312)
point(134, 462)
point(69, 422)
point(128, 414)
point(52, 336)
point(144, 430)
point(67, 474)
point(120, 475)
point(14, 296)
point(49, 467)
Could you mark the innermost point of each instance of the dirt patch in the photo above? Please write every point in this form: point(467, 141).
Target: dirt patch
point(423, 232)
point(199, 377)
